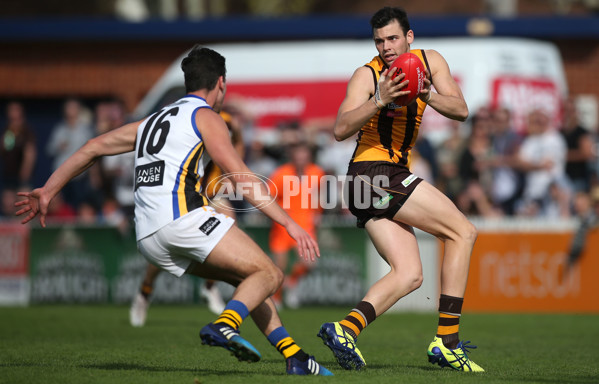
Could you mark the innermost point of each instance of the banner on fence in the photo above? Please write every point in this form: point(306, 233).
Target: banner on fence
point(531, 272)
point(78, 264)
point(14, 264)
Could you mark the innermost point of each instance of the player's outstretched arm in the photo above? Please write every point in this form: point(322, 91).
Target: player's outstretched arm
point(36, 202)
point(448, 100)
point(218, 144)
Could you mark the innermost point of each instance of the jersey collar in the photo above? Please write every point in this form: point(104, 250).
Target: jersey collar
point(197, 97)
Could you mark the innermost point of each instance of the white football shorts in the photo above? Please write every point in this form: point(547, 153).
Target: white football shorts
point(188, 239)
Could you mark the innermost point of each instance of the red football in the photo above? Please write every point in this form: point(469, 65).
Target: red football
point(412, 66)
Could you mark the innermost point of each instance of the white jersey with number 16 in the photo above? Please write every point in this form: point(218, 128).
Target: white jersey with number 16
point(168, 165)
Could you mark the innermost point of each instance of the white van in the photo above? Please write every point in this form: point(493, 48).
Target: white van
point(307, 80)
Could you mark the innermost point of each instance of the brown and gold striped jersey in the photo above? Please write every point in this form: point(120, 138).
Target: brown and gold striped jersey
point(390, 134)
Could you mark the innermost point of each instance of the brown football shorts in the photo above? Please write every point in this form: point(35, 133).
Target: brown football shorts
point(378, 189)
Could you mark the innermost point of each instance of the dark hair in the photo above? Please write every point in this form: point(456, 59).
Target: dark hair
point(386, 15)
point(202, 67)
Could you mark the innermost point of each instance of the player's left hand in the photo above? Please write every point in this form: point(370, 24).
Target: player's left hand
point(307, 247)
point(35, 202)
point(424, 94)
point(390, 87)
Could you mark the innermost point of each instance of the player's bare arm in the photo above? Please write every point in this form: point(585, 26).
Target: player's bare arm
point(359, 104)
point(218, 144)
point(117, 141)
point(448, 100)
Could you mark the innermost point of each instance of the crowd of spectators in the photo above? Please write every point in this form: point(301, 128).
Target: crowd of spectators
point(95, 196)
point(490, 169)
point(536, 173)
point(486, 166)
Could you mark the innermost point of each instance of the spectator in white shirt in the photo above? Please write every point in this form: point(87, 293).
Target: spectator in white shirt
point(542, 156)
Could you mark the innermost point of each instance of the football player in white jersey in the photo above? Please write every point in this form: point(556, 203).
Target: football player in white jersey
point(209, 291)
point(176, 229)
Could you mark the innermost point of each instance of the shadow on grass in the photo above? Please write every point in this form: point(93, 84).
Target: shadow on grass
point(561, 379)
point(136, 367)
point(230, 370)
point(26, 364)
point(166, 323)
point(426, 368)
point(566, 378)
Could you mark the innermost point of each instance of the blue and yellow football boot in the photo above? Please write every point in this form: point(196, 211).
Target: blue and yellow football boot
point(222, 335)
point(308, 367)
point(343, 346)
point(455, 358)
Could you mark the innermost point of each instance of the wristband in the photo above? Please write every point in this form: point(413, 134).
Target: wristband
point(379, 107)
point(430, 95)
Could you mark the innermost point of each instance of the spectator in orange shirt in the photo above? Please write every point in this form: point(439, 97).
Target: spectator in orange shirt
point(298, 192)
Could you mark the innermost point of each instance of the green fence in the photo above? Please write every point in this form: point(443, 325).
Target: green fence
point(78, 264)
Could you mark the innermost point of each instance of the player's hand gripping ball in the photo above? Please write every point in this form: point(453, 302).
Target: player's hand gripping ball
point(412, 66)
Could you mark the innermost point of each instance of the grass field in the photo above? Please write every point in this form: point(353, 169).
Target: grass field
point(95, 344)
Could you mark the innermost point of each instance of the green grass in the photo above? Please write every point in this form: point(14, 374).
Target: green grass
point(95, 344)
